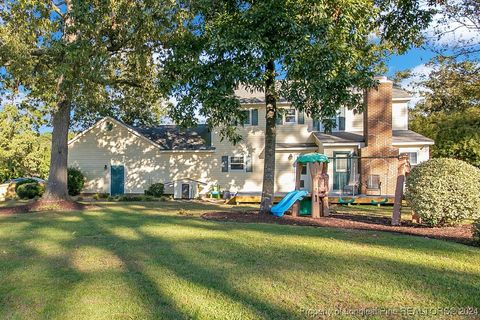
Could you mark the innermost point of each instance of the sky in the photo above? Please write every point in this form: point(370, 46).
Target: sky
point(413, 58)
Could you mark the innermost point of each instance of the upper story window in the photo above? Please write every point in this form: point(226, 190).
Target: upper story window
point(251, 117)
point(290, 116)
point(338, 120)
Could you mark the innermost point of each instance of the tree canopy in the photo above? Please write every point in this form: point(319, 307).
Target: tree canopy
point(81, 60)
point(103, 53)
point(318, 55)
point(456, 31)
point(23, 150)
point(450, 110)
point(320, 50)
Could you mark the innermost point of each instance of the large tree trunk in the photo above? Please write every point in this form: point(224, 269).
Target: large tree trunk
point(57, 179)
point(268, 188)
point(57, 189)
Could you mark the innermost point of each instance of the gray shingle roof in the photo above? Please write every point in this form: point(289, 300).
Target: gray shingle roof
point(399, 136)
point(399, 93)
point(172, 137)
point(296, 145)
point(246, 96)
point(339, 137)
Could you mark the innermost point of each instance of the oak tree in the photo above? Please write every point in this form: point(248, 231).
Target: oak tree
point(77, 60)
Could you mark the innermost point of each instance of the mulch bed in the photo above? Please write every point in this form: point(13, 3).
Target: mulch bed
point(462, 234)
point(45, 206)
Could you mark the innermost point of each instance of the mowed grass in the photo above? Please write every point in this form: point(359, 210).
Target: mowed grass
point(152, 261)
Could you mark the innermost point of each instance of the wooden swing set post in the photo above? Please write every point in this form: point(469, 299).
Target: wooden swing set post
point(324, 189)
point(315, 172)
point(403, 171)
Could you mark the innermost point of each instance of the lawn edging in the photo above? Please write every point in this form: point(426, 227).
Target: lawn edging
point(461, 234)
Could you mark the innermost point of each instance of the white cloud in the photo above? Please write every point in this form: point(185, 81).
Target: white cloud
point(412, 83)
point(449, 32)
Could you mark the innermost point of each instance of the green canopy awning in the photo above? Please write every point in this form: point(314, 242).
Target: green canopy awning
point(312, 157)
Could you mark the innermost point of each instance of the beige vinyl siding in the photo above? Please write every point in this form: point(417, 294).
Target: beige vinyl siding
point(400, 116)
point(329, 152)
point(253, 145)
point(354, 121)
point(145, 164)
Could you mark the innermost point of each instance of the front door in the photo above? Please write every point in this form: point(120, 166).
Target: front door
point(185, 191)
point(341, 170)
point(117, 181)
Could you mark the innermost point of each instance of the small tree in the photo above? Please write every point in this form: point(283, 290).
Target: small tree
point(75, 181)
point(444, 191)
point(310, 52)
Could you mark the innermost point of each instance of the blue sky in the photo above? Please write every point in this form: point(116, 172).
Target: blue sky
point(409, 60)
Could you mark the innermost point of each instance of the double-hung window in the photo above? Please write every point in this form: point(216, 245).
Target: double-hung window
point(412, 158)
point(247, 120)
point(237, 163)
point(251, 117)
point(290, 116)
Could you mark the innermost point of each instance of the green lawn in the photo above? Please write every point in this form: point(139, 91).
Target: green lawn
point(149, 261)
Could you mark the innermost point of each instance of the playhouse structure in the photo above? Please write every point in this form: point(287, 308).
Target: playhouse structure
point(318, 165)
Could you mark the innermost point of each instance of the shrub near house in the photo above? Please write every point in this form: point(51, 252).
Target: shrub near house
point(444, 191)
point(75, 181)
point(30, 190)
point(155, 190)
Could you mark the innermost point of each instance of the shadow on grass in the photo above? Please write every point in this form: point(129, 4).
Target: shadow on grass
point(210, 260)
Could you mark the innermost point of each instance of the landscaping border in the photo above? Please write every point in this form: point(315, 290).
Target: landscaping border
point(461, 234)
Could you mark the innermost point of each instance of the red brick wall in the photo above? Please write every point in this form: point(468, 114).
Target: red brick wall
point(378, 140)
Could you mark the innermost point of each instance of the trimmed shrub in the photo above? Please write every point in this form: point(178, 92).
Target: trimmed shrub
point(155, 190)
point(18, 184)
point(128, 198)
point(444, 191)
point(75, 181)
point(476, 231)
point(30, 190)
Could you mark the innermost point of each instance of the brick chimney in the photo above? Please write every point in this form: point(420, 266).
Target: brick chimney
point(377, 132)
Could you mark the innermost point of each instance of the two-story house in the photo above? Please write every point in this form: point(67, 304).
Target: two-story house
point(117, 158)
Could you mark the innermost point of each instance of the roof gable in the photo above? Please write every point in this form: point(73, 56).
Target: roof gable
point(164, 137)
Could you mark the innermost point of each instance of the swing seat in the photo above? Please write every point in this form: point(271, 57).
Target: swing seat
point(343, 201)
point(379, 203)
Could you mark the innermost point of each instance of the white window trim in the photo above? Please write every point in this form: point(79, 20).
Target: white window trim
point(237, 170)
point(416, 152)
point(249, 110)
point(285, 117)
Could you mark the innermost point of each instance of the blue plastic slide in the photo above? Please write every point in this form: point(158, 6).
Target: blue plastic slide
point(287, 201)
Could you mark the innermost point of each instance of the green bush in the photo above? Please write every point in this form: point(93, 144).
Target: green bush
point(75, 181)
point(98, 196)
point(128, 197)
point(155, 190)
point(30, 190)
point(476, 231)
point(444, 191)
point(18, 184)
